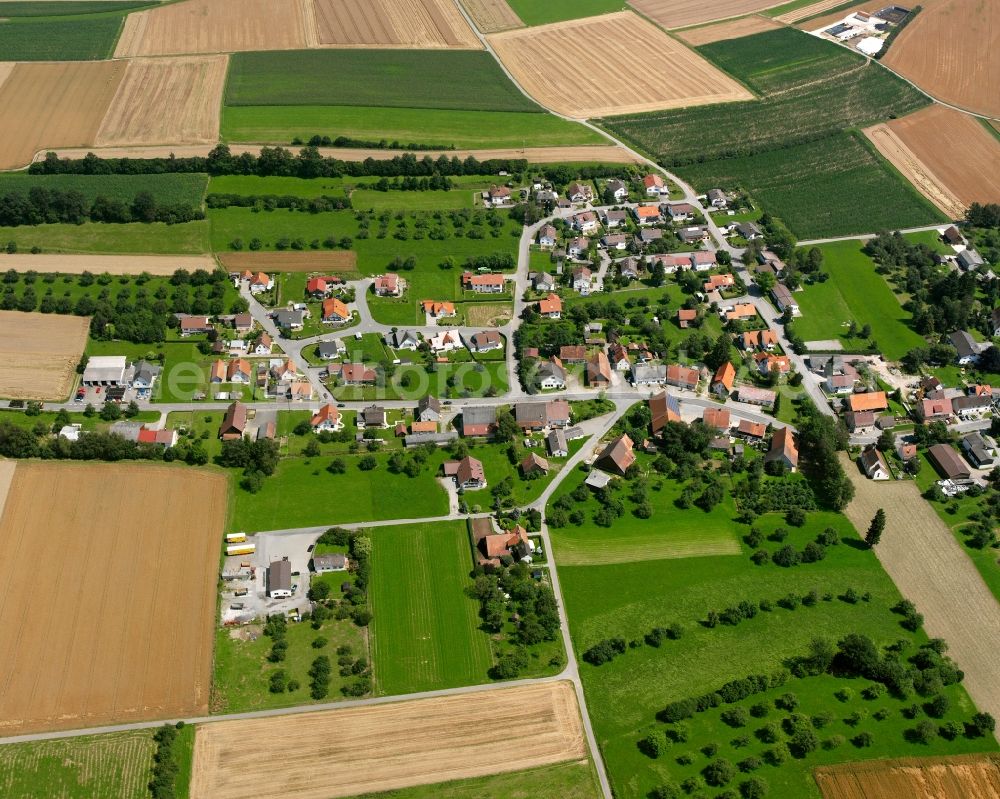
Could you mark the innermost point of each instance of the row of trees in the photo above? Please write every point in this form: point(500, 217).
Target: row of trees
point(47, 206)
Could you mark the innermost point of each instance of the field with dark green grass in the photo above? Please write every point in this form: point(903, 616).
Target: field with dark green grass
point(533, 12)
point(834, 186)
point(854, 291)
point(68, 31)
point(625, 695)
point(443, 79)
point(404, 126)
point(425, 634)
point(186, 238)
point(168, 189)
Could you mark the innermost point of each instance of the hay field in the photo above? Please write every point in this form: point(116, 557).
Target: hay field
point(554, 65)
point(388, 746)
point(926, 181)
point(951, 49)
point(54, 105)
point(39, 353)
point(70, 264)
point(634, 548)
point(683, 13)
point(191, 88)
point(959, 777)
point(735, 29)
point(109, 593)
point(930, 569)
point(290, 261)
point(393, 23)
point(956, 148)
point(492, 16)
point(217, 26)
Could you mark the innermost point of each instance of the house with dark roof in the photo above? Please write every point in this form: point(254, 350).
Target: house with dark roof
point(479, 421)
point(979, 451)
point(428, 410)
point(556, 442)
point(539, 415)
point(946, 460)
point(534, 464)
point(468, 473)
point(967, 347)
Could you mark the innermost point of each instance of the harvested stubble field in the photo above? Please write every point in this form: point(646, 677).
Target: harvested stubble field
point(39, 354)
point(291, 261)
point(930, 569)
point(812, 10)
point(71, 264)
point(956, 148)
point(217, 26)
point(815, 23)
point(125, 631)
point(735, 29)
point(166, 101)
point(388, 746)
point(682, 13)
point(393, 23)
point(549, 61)
point(54, 105)
point(951, 49)
point(959, 777)
point(492, 16)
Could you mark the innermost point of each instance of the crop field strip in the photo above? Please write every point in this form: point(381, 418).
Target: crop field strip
point(388, 746)
point(81, 37)
point(812, 10)
point(39, 354)
point(401, 23)
point(959, 777)
point(548, 62)
point(129, 620)
point(533, 12)
point(168, 188)
point(951, 49)
point(684, 13)
point(75, 264)
point(734, 29)
point(290, 261)
point(492, 16)
point(166, 101)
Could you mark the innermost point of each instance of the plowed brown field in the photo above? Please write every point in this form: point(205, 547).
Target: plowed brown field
point(290, 261)
point(54, 105)
point(960, 777)
point(734, 29)
point(951, 49)
point(39, 353)
point(956, 148)
point(399, 23)
point(388, 746)
point(112, 264)
point(168, 101)
point(682, 13)
point(109, 594)
point(492, 16)
point(217, 26)
point(555, 64)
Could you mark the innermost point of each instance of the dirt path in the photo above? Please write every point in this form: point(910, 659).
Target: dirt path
point(930, 569)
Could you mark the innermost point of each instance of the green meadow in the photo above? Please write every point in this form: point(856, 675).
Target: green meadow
point(533, 12)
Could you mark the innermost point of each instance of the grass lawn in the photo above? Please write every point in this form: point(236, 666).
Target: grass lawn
point(168, 189)
point(242, 672)
point(932, 239)
point(532, 12)
point(629, 599)
point(186, 238)
point(575, 780)
point(405, 126)
point(854, 291)
point(425, 634)
point(301, 493)
point(394, 78)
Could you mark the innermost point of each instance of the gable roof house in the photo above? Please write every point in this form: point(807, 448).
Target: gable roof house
point(617, 188)
point(327, 418)
point(579, 192)
point(374, 416)
point(234, 422)
point(722, 382)
point(719, 418)
point(492, 549)
point(327, 350)
point(598, 370)
point(742, 310)
point(428, 410)
point(647, 214)
point(681, 376)
point(972, 405)
point(534, 464)
point(402, 340)
point(437, 309)
point(547, 236)
point(873, 464)
point(969, 260)
point(717, 198)
point(614, 217)
point(486, 283)
point(551, 374)
point(356, 374)
point(292, 319)
point(238, 371)
point(550, 307)
point(618, 358)
point(933, 409)
point(758, 339)
point(585, 221)
point(479, 420)
point(868, 401)
point(783, 448)
point(754, 395)
point(952, 236)
point(968, 348)
point(539, 415)
point(556, 441)
point(654, 185)
point(663, 408)
point(468, 473)
point(979, 451)
point(191, 325)
point(647, 374)
point(751, 431)
point(572, 353)
point(859, 420)
point(335, 312)
point(445, 341)
point(389, 285)
point(618, 455)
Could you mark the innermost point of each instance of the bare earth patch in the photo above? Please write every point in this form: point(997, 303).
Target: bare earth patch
point(930, 569)
point(39, 353)
point(682, 13)
point(343, 261)
point(393, 23)
point(951, 49)
point(167, 101)
point(109, 594)
point(54, 105)
point(959, 777)
point(492, 16)
point(734, 29)
point(488, 314)
point(384, 747)
point(99, 264)
point(554, 64)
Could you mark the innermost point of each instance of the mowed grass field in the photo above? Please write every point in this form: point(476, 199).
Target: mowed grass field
point(394, 78)
point(425, 634)
point(834, 186)
point(629, 599)
point(168, 189)
point(423, 126)
point(533, 12)
point(855, 291)
point(60, 35)
point(186, 238)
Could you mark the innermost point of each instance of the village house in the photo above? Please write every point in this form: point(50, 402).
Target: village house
point(739, 312)
point(468, 473)
point(630, 268)
point(972, 406)
point(934, 408)
point(751, 432)
point(328, 350)
point(648, 235)
point(547, 236)
point(551, 374)
point(402, 340)
point(355, 374)
point(663, 408)
point(242, 323)
point(749, 231)
point(485, 341)
point(428, 410)
point(645, 374)
point(374, 417)
point(722, 382)
point(497, 195)
point(262, 346)
point(290, 319)
point(752, 395)
point(681, 377)
point(192, 325)
point(614, 241)
point(783, 299)
point(765, 339)
point(327, 418)
point(717, 198)
point(716, 282)
point(783, 449)
point(556, 442)
point(868, 401)
point(686, 316)
point(979, 450)
point(617, 188)
point(952, 236)
point(579, 192)
point(618, 358)
point(321, 287)
point(389, 285)
point(217, 372)
point(534, 464)
point(693, 235)
point(585, 222)
point(647, 214)
point(702, 260)
point(767, 363)
point(717, 418)
point(598, 371)
point(873, 464)
point(535, 416)
point(577, 248)
point(438, 309)
point(572, 353)
point(906, 450)
point(680, 212)
point(614, 217)
point(238, 371)
point(445, 341)
point(969, 259)
point(654, 186)
point(495, 549)
point(967, 347)
point(479, 421)
point(543, 281)
point(234, 422)
point(335, 312)
point(618, 455)
point(859, 421)
point(488, 283)
point(260, 282)
point(550, 307)
point(581, 280)
point(145, 376)
point(334, 562)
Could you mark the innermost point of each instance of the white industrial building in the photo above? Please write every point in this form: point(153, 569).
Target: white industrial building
point(105, 370)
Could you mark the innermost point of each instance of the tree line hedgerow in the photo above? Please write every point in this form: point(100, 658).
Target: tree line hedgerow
point(41, 206)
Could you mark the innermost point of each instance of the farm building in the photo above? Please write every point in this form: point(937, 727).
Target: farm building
point(783, 449)
point(756, 396)
point(279, 579)
point(949, 465)
point(618, 456)
point(234, 423)
point(539, 415)
point(868, 401)
point(534, 464)
point(599, 371)
point(104, 370)
point(479, 420)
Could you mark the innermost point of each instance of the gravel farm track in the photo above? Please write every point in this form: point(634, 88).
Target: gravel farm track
point(547, 61)
point(129, 579)
point(733, 29)
point(930, 569)
point(364, 750)
point(960, 777)
point(39, 353)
